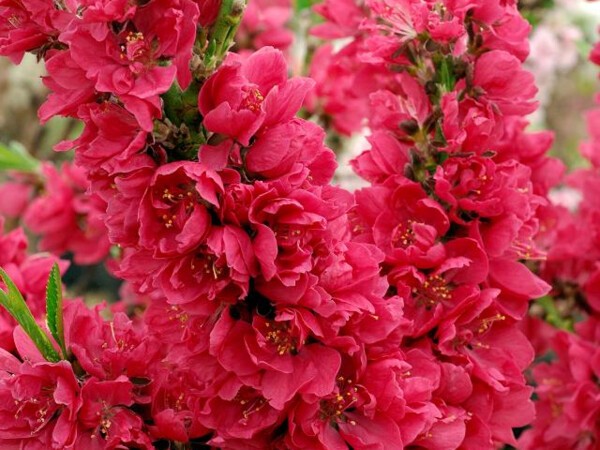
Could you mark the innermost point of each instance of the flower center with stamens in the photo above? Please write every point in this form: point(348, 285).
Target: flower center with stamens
point(287, 234)
point(252, 100)
point(177, 203)
point(176, 401)
point(208, 264)
point(527, 250)
point(332, 408)
point(434, 290)
point(403, 235)
point(105, 414)
point(278, 334)
point(137, 50)
point(250, 402)
point(175, 313)
point(36, 410)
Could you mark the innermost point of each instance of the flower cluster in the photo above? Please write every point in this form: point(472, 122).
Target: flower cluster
point(455, 196)
point(254, 282)
point(98, 401)
point(272, 309)
point(55, 205)
point(266, 324)
point(567, 383)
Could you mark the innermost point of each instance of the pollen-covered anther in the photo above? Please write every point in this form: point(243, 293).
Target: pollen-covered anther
point(210, 267)
point(175, 313)
point(168, 220)
point(183, 199)
point(251, 406)
point(358, 229)
point(167, 195)
point(253, 100)
point(527, 250)
point(333, 408)
point(287, 232)
point(179, 402)
point(136, 49)
point(134, 37)
point(488, 322)
point(279, 335)
point(41, 414)
point(105, 426)
point(433, 290)
point(403, 234)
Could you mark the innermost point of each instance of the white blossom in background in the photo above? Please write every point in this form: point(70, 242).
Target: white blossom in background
point(567, 197)
point(351, 148)
point(556, 46)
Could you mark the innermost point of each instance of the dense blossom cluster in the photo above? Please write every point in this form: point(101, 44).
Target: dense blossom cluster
point(273, 324)
point(274, 309)
point(567, 388)
point(455, 196)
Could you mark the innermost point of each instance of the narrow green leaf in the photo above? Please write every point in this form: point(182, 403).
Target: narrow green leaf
point(54, 308)
point(14, 303)
point(446, 76)
point(15, 157)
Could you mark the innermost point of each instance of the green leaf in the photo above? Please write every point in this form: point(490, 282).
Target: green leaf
point(553, 317)
point(304, 4)
point(446, 75)
point(14, 303)
point(15, 157)
point(54, 308)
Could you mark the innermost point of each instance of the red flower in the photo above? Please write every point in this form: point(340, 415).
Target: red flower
point(104, 420)
point(111, 136)
point(40, 402)
point(128, 63)
point(504, 83)
point(29, 26)
point(244, 96)
point(175, 213)
point(67, 218)
point(278, 363)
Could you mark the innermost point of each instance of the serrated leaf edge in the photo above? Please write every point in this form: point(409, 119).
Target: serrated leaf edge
point(54, 308)
point(15, 304)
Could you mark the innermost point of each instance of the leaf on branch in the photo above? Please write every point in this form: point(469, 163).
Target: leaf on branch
point(15, 157)
point(54, 308)
point(13, 302)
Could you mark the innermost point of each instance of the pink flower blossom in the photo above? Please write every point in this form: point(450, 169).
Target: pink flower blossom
point(245, 96)
point(175, 214)
point(67, 218)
